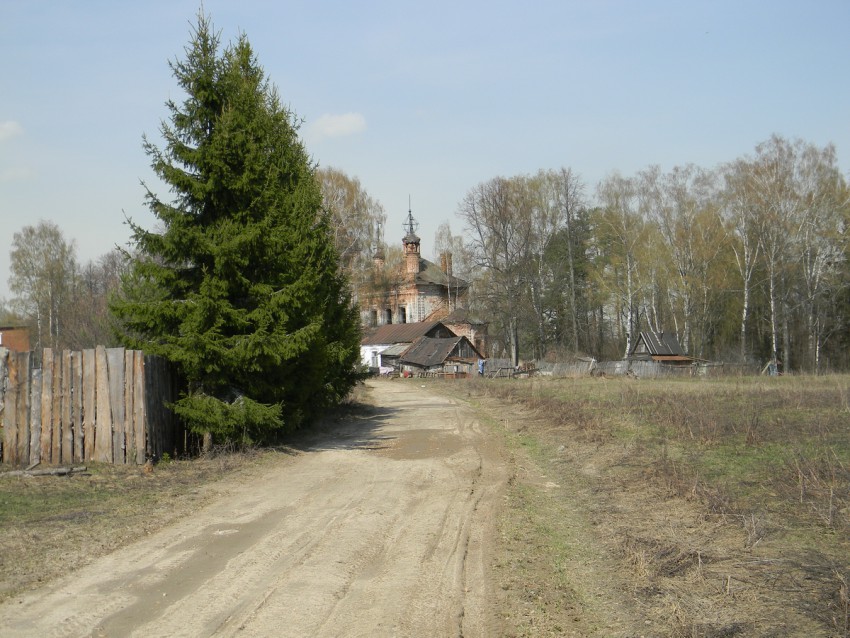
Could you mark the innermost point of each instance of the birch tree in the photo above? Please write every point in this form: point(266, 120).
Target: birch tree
point(621, 230)
point(44, 269)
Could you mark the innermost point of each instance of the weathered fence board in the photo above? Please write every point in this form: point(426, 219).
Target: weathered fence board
point(89, 401)
point(106, 405)
point(139, 405)
point(35, 417)
point(46, 405)
point(103, 429)
point(77, 407)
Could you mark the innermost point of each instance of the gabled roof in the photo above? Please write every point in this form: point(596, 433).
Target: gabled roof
point(403, 332)
point(427, 351)
point(431, 273)
point(394, 351)
point(658, 344)
point(462, 315)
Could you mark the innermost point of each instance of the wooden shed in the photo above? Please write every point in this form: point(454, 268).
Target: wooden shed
point(451, 356)
point(378, 340)
point(662, 347)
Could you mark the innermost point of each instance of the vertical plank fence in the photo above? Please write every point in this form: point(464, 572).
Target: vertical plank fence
point(106, 405)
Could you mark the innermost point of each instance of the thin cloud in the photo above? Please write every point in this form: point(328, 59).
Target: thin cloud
point(15, 174)
point(10, 129)
point(339, 125)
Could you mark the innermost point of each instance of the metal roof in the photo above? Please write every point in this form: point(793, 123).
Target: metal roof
point(427, 352)
point(659, 343)
point(395, 351)
point(404, 332)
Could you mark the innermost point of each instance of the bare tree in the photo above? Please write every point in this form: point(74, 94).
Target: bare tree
point(739, 209)
point(459, 258)
point(681, 204)
point(43, 275)
point(498, 216)
point(356, 218)
point(569, 197)
point(824, 202)
point(620, 226)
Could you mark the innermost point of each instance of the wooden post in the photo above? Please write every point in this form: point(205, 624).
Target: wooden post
point(77, 406)
point(129, 431)
point(35, 417)
point(10, 413)
point(89, 404)
point(24, 377)
point(56, 411)
point(115, 363)
point(139, 405)
point(103, 444)
point(47, 405)
point(67, 454)
point(152, 389)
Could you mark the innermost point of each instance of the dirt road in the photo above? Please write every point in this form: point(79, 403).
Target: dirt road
point(379, 528)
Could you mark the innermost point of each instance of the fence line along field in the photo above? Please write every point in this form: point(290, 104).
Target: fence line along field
point(105, 405)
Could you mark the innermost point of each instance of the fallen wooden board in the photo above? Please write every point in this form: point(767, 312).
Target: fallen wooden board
point(56, 471)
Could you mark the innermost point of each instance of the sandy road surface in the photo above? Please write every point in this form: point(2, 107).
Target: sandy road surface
point(379, 529)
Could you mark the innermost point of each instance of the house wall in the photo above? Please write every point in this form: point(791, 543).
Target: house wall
point(477, 335)
point(16, 339)
point(371, 355)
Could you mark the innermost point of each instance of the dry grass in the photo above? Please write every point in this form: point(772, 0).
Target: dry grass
point(727, 501)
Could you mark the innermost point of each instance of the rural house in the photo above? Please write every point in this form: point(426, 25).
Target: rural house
point(462, 323)
point(450, 356)
point(382, 346)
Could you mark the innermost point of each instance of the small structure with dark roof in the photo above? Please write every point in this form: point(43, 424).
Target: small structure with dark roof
point(451, 356)
point(662, 347)
point(463, 323)
point(380, 339)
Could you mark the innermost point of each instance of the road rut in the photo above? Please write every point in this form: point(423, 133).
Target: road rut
point(380, 527)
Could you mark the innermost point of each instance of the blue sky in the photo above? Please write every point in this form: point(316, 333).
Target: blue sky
point(416, 99)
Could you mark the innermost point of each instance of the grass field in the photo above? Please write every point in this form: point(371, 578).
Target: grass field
point(724, 502)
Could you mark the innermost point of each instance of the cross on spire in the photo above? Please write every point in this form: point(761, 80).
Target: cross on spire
point(410, 225)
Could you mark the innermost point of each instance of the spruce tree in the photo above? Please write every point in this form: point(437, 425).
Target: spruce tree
point(239, 286)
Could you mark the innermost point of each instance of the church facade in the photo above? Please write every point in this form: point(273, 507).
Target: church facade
point(419, 291)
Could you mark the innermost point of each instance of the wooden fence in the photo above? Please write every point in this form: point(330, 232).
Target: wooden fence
point(103, 405)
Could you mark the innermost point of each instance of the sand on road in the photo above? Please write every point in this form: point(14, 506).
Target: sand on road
point(382, 526)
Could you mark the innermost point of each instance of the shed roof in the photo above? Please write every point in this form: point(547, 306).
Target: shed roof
point(396, 350)
point(658, 344)
point(402, 332)
point(427, 352)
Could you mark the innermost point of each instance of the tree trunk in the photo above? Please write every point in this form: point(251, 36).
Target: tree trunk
point(744, 313)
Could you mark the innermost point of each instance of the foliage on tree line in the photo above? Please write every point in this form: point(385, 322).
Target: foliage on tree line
point(744, 262)
point(62, 301)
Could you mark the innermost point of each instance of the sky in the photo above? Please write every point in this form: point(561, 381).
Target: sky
point(420, 101)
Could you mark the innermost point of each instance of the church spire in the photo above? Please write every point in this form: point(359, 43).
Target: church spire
point(411, 244)
point(410, 224)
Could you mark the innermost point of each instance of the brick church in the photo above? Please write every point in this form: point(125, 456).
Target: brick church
point(421, 291)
